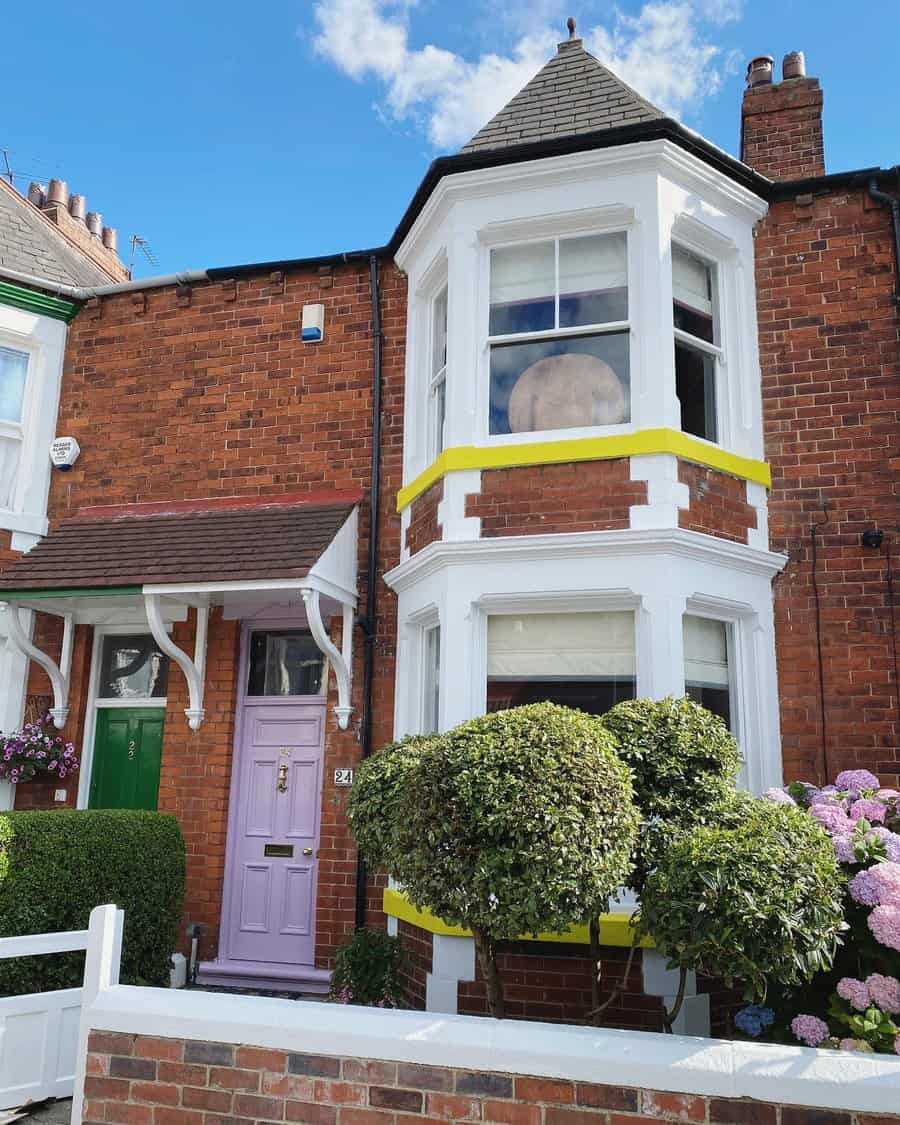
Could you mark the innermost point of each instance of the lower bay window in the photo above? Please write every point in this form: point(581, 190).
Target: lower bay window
point(707, 678)
point(431, 680)
point(580, 660)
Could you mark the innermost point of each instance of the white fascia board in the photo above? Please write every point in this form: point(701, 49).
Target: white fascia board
point(661, 157)
point(691, 545)
point(642, 1059)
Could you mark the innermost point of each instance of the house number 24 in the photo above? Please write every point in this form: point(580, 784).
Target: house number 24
point(343, 776)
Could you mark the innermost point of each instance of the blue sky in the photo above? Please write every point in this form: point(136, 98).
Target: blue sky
point(228, 132)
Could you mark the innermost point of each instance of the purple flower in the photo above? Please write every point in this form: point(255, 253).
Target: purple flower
point(868, 808)
point(809, 1030)
point(891, 842)
point(884, 922)
point(844, 849)
point(856, 779)
point(779, 797)
point(885, 992)
point(878, 885)
point(833, 818)
point(855, 992)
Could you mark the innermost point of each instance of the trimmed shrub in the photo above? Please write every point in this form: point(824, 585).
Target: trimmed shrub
point(367, 970)
point(55, 867)
point(513, 823)
point(756, 897)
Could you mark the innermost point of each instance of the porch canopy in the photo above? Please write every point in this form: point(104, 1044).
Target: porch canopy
point(145, 564)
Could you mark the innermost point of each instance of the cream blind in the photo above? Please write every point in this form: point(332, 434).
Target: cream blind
point(561, 645)
point(592, 264)
point(523, 273)
point(691, 282)
point(705, 651)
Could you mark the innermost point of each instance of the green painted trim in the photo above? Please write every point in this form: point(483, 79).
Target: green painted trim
point(599, 448)
point(32, 300)
point(75, 592)
point(615, 928)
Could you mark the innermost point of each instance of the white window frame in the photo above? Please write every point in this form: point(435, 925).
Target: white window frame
point(19, 431)
point(715, 350)
point(426, 686)
point(437, 380)
point(731, 657)
point(499, 236)
point(97, 702)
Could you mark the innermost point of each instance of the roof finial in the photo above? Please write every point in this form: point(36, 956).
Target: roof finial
point(570, 24)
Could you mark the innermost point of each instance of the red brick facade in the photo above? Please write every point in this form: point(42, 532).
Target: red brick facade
point(718, 504)
point(423, 518)
point(142, 1080)
point(781, 129)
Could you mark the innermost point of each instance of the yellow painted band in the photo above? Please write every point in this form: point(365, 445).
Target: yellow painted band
point(615, 929)
point(600, 448)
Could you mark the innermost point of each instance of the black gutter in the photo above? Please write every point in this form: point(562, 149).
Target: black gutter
point(343, 258)
point(369, 623)
point(893, 202)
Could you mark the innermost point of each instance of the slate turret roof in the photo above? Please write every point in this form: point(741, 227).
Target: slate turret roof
point(573, 93)
point(31, 244)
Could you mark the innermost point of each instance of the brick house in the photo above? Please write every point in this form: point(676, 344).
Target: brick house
point(612, 414)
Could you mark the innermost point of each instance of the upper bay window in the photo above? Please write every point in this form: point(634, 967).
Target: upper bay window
point(697, 350)
point(558, 334)
point(437, 374)
point(13, 378)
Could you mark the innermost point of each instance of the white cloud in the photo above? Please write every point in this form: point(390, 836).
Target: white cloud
point(664, 52)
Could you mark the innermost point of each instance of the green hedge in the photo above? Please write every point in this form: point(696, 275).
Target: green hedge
point(55, 867)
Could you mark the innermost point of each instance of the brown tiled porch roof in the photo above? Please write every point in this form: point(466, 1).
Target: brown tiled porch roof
point(232, 540)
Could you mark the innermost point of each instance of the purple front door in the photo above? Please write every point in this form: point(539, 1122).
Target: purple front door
point(274, 835)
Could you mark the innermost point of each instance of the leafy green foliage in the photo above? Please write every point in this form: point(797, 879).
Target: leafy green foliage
point(757, 896)
point(56, 866)
point(512, 823)
point(367, 970)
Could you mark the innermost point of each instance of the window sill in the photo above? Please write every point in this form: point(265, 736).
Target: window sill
point(596, 447)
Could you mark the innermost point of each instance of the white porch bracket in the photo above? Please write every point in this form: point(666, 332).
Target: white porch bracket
point(58, 673)
point(341, 660)
point(194, 670)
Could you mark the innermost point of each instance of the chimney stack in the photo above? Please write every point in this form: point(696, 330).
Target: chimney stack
point(110, 238)
point(781, 122)
point(82, 227)
point(77, 207)
point(37, 193)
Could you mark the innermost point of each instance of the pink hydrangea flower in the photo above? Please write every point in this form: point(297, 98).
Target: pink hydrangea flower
point(855, 992)
point(833, 818)
point(779, 797)
point(843, 849)
point(849, 1045)
point(884, 922)
point(857, 779)
point(869, 808)
point(891, 842)
point(809, 1030)
point(884, 991)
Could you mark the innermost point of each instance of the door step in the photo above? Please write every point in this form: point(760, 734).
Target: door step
point(264, 974)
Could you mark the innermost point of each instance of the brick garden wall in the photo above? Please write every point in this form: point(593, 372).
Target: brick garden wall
point(140, 1080)
point(208, 392)
point(829, 331)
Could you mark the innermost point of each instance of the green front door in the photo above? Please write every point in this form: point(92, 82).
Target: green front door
point(127, 755)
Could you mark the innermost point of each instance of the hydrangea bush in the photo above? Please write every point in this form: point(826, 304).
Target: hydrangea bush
point(853, 1007)
point(32, 750)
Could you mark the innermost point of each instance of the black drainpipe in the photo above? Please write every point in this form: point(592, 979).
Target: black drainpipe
point(368, 623)
point(894, 203)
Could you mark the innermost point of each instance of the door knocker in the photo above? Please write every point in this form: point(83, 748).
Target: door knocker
point(283, 772)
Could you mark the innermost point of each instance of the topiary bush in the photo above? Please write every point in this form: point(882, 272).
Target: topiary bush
point(684, 761)
point(754, 897)
point(55, 867)
point(367, 970)
point(513, 823)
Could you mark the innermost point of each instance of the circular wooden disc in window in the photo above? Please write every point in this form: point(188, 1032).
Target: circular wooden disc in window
point(563, 391)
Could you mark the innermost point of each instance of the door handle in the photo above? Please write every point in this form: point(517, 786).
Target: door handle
point(307, 851)
point(282, 778)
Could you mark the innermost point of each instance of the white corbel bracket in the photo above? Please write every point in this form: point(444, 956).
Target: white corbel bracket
point(341, 661)
point(58, 673)
point(194, 670)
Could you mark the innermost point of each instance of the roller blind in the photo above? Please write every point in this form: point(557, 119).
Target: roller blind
point(691, 281)
point(523, 273)
point(13, 372)
point(561, 645)
point(705, 651)
point(592, 264)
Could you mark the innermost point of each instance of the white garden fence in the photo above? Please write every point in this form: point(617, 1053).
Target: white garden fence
point(40, 1033)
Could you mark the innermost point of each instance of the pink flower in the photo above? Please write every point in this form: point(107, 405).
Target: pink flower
point(878, 885)
point(869, 808)
point(856, 779)
point(843, 849)
point(849, 1045)
point(809, 1030)
point(855, 992)
point(833, 818)
point(897, 1045)
point(890, 840)
point(779, 797)
point(884, 991)
point(884, 922)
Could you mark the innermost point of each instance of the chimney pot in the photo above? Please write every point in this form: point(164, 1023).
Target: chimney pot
point(759, 71)
point(94, 222)
point(37, 193)
point(110, 238)
point(77, 206)
point(58, 192)
point(794, 65)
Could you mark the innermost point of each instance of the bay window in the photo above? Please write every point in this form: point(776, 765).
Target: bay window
point(580, 660)
point(437, 375)
point(431, 680)
point(558, 334)
point(697, 350)
point(13, 377)
point(706, 672)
